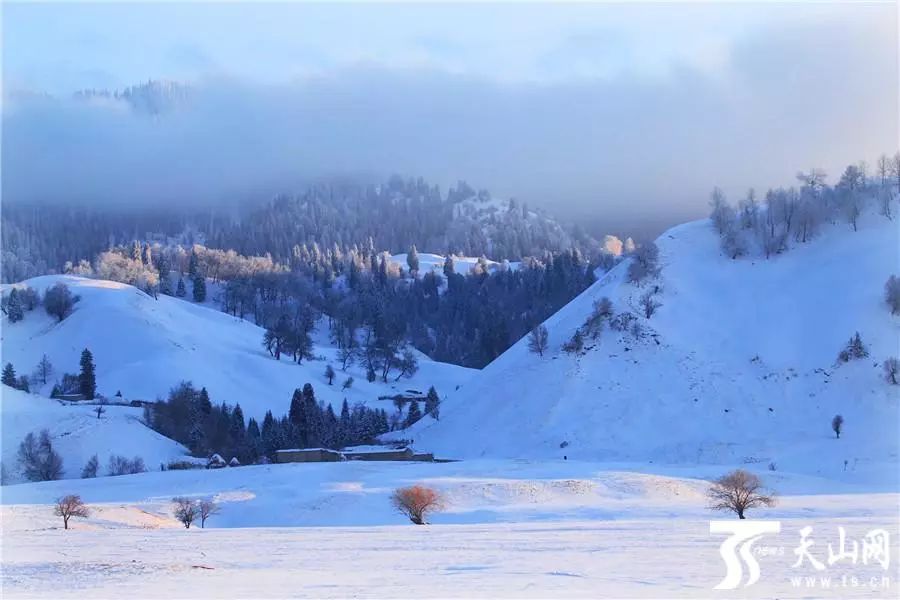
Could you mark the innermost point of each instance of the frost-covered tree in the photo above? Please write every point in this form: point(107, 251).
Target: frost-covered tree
point(412, 259)
point(180, 290)
point(538, 340)
point(721, 213)
point(87, 379)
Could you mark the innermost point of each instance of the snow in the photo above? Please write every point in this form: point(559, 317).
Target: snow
point(462, 265)
point(510, 529)
point(737, 366)
point(582, 476)
point(144, 347)
point(78, 434)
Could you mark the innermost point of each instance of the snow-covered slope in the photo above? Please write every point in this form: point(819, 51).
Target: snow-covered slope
point(738, 365)
point(78, 434)
point(142, 347)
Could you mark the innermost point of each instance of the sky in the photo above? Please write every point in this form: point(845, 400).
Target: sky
point(621, 114)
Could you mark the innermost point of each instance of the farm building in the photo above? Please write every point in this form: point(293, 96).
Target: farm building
point(373, 453)
point(307, 455)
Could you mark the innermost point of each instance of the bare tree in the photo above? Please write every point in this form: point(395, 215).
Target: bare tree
point(44, 369)
point(416, 502)
point(59, 301)
point(837, 424)
point(649, 303)
point(37, 458)
point(185, 510)
point(207, 509)
point(739, 491)
point(891, 369)
point(68, 507)
point(538, 340)
point(90, 468)
point(329, 374)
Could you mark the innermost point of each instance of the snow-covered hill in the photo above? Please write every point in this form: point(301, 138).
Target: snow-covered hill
point(738, 365)
point(143, 347)
point(78, 434)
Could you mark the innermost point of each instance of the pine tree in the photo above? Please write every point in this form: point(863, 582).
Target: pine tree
point(193, 264)
point(199, 289)
point(87, 380)
point(204, 401)
point(344, 425)
point(432, 403)
point(298, 418)
point(9, 376)
point(180, 290)
point(413, 414)
point(14, 310)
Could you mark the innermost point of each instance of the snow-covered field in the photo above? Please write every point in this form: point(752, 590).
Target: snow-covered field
point(510, 529)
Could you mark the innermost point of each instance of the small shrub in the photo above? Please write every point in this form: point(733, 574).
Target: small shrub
point(119, 465)
point(182, 465)
point(575, 345)
point(854, 350)
point(416, 502)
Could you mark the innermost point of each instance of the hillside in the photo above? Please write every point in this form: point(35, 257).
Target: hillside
point(142, 347)
point(78, 434)
point(737, 365)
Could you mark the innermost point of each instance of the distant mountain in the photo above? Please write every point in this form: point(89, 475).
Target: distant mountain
point(156, 97)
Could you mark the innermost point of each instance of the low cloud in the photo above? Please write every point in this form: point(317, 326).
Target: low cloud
point(622, 148)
